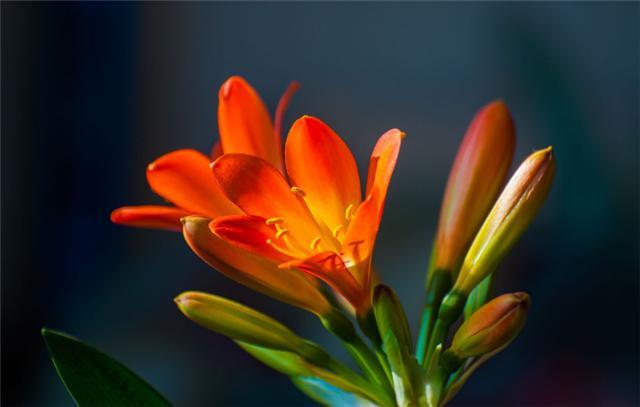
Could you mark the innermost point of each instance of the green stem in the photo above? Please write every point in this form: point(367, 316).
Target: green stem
point(439, 284)
point(369, 363)
point(372, 390)
point(450, 309)
point(366, 359)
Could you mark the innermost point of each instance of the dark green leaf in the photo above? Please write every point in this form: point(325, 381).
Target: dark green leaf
point(95, 379)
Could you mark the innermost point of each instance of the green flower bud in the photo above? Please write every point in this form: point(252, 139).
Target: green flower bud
point(511, 215)
point(238, 322)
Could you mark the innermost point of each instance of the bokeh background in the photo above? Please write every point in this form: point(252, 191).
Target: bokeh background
point(92, 92)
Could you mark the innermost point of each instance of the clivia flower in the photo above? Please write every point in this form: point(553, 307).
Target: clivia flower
point(316, 221)
point(250, 219)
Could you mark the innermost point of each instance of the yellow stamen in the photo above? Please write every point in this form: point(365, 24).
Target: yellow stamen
point(273, 221)
point(281, 232)
point(298, 191)
point(315, 242)
point(337, 230)
point(347, 213)
point(280, 249)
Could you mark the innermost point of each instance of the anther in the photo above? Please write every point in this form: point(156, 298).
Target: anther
point(273, 221)
point(315, 242)
point(347, 212)
point(281, 232)
point(298, 191)
point(337, 230)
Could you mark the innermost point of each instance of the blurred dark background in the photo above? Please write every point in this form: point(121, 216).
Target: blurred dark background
point(92, 92)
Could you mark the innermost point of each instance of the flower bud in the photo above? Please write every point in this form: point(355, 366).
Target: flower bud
point(479, 171)
point(511, 215)
point(390, 316)
point(491, 327)
point(237, 321)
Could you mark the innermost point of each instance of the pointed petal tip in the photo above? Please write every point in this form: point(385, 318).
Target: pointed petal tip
point(229, 84)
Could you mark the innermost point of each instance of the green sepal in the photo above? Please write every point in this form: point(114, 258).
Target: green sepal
point(93, 378)
point(479, 295)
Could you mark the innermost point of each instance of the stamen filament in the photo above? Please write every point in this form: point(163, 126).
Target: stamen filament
point(315, 242)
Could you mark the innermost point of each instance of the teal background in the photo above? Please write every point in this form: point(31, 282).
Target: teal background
point(92, 92)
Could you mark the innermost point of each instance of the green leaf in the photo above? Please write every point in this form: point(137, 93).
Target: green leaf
point(94, 378)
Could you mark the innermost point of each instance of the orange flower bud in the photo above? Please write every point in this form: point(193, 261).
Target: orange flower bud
point(492, 327)
point(511, 215)
point(479, 171)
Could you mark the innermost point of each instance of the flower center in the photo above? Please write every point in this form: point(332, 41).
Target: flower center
point(326, 238)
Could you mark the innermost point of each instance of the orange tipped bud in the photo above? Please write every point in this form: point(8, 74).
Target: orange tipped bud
point(492, 327)
point(479, 171)
point(511, 215)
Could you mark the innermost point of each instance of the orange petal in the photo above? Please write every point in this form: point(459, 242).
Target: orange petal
point(361, 237)
point(322, 165)
point(183, 178)
point(259, 189)
point(250, 233)
point(150, 216)
point(330, 268)
point(244, 123)
point(382, 162)
point(283, 104)
point(253, 271)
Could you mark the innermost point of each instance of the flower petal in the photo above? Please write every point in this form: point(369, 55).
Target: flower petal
point(330, 268)
point(253, 271)
point(283, 104)
point(216, 151)
point(322, 165)
point(360, 239)
point(183, 178)
point(250, 233)
point(244, 123)
point(150, 216)
point(257, 188)
point(382, 163)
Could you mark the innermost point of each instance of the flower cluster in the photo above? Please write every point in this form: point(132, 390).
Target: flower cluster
point(290, 221)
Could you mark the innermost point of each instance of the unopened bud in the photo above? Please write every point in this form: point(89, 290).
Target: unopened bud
point(511, 215)
point(491, 327)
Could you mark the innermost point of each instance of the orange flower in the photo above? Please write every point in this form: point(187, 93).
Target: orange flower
point(184, 178)
point(315, 222)
point(252, 222)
